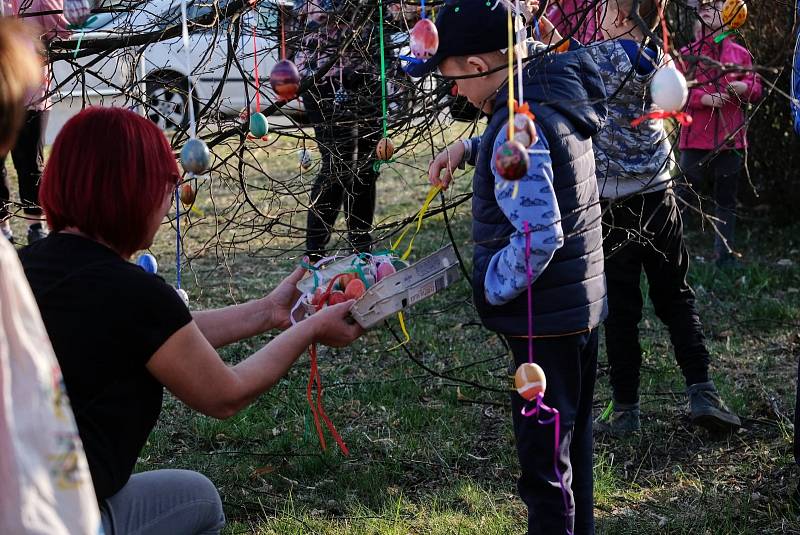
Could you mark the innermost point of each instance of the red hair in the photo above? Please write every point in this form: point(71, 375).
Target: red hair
point(107, 175)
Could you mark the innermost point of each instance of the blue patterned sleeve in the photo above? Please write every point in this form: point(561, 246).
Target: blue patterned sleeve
point(536, 203)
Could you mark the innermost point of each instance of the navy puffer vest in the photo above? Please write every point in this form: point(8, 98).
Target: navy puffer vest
point(567, 96)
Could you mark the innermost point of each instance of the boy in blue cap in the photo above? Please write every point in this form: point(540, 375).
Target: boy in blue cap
point(558, 200)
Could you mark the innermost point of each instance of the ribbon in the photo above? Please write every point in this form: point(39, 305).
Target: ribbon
point(407, 338)
point(682, 117)
point(317, 407)
point(425, 205)
point(82, 29)
point(377, 165)
point(539, 406)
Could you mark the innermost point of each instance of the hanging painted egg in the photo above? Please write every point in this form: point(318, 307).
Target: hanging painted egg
point(188, 194)
point(304, 157)
point(148, 263)
point(77, 12)
point(385, 149)
point(285, 79)
point(512, 160)
point(524, 130)
point(668, 89)
point(424, 39)
point(530, 380)
point(259, 126)
point(734, 13)
point(195, 156)
point(183, 295)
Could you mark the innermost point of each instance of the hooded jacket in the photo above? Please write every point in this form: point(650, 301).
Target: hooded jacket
point(711, 126)
point(567, 96)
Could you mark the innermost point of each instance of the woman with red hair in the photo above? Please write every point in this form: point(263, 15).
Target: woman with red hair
point(121, 335)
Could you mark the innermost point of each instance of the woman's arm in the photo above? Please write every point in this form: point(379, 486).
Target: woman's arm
point(192, 370)
point(224, 326)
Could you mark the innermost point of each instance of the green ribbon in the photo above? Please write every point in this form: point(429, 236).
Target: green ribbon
point(721, 37)
point(607, 412)
point(81, 28)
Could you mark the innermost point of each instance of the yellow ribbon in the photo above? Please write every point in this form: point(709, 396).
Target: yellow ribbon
point(402, 321)
point(431, 194)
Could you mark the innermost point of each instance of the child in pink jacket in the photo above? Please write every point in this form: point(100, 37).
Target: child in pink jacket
point(711, 147)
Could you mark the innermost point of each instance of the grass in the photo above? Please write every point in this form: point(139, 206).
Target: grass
point(432, 455)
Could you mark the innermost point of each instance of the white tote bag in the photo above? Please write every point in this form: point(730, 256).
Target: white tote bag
point(45, 484)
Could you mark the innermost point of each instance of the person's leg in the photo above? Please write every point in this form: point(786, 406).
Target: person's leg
point(666, 264)
point(689, 186)
point(569, 364)
point(328, 189)
point(727, 166)
point(174, 502)
point(28, 157)
point(5, 199)
point(623, 264)
point(361, 196)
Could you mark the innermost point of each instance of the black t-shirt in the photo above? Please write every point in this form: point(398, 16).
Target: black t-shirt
point(105, 317)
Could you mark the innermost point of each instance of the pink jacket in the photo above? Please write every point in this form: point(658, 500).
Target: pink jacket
point(577, 18)
point(711, 126)
point(47, 27)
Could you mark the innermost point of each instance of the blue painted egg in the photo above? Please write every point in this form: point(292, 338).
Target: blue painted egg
point(148, 263)
point(195, 156)
point(259, 126)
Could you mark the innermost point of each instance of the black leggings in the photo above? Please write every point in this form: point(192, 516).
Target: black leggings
point(723, 169)
point(28, 158)
point(347, 135)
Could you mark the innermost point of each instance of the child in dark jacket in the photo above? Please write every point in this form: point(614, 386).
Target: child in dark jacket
point(559, 202)
point(643, 228)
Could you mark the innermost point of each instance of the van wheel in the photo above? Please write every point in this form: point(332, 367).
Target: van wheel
point(168, 101)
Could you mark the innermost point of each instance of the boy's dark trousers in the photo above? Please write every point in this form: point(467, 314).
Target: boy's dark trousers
point(570, 366)
point(28, 158)
point(646, 231)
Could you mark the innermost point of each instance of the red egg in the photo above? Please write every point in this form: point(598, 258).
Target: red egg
point(424, 39)
point(336, 298)
point(317, 297)
point(512, 160)
point(346, 278)
point(188, 194)
point(355, 289)
point(285, 79)
point(530, 381)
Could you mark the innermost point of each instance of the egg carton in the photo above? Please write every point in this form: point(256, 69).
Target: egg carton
point(395, 292)
point(407, 287)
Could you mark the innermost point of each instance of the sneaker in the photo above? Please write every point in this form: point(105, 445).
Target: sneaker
point(707, 409)
point(36, 232)
point(623, 421)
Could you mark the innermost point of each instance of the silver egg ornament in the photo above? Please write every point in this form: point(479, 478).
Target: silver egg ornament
point(195, 156)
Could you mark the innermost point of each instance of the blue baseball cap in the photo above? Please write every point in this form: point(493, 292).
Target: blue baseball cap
point(466, 27)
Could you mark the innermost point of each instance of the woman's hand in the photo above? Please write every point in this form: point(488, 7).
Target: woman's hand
point(281, 300)
point(440, 170)
point(334, 326)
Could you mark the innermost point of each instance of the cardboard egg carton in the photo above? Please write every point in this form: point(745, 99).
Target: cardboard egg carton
point(397, 291)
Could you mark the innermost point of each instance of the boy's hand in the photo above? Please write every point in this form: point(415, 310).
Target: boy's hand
point(440, 170)
point(714, 100)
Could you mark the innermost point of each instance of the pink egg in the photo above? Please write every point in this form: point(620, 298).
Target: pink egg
point(384, 270)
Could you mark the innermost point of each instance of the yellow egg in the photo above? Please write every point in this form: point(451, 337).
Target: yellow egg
point(530, 381)
point(734, 13)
